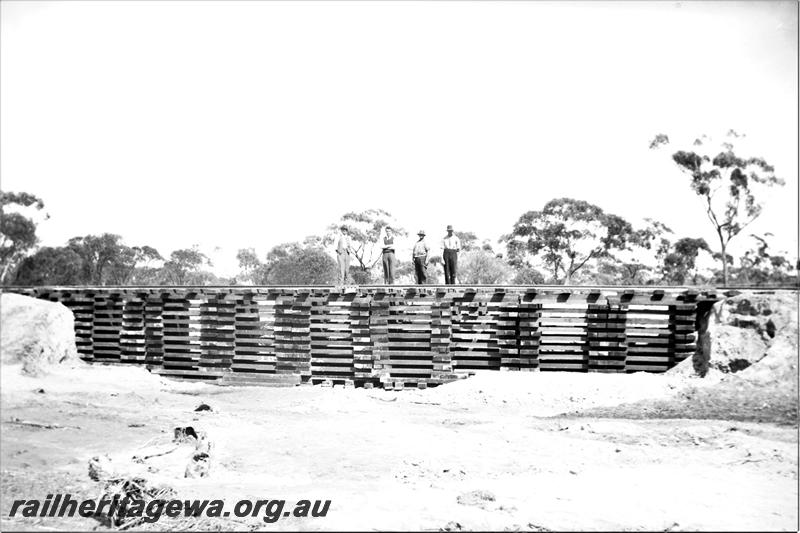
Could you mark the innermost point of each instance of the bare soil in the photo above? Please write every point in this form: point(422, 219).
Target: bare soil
point(499, 451)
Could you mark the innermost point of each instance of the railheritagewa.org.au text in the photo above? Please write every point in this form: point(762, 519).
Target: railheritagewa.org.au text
point(64, 505)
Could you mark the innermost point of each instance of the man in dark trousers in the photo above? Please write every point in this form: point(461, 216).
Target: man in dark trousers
point(451, 246)
point(389, 260)
point(420, 258)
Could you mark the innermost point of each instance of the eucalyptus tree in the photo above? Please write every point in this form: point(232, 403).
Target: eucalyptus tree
point(566, 235)
point(729, 185)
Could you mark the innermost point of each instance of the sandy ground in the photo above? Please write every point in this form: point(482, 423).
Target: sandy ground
point(413, 459)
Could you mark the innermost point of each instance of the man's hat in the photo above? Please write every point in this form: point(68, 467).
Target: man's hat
point(343, 228)
point(449, 227)
point(421, 232)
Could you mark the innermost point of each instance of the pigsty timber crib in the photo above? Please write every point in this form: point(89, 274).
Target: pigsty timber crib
point(389, 336)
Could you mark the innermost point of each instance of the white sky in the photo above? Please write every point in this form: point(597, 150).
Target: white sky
point(250, 124)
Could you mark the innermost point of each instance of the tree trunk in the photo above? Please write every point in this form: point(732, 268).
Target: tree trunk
point(724, 262)
point(568, 272)
point(3, 275)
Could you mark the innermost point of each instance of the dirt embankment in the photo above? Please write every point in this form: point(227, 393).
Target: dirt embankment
point(754, 326)
point(35, 334)
point(751, 373)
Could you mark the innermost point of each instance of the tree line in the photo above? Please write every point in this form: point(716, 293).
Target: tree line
point(568, 241)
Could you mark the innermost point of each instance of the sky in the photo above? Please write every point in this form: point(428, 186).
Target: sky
point(248, 124)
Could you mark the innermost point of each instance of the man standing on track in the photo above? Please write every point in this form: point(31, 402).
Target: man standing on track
point(420, 258)
point(343, 254)
point(451, 245)
point(388, 257)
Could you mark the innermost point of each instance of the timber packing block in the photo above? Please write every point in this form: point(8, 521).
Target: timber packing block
point(395, 337)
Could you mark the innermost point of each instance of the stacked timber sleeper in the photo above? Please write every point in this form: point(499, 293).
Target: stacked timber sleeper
point(561, 331)
point(683, 322)
point(338, 323)
point(484, 330)
point(391, 337)
point(528, 333)
point(181, 338)
point(606, 335)
point(658, 336)
point(563, 339)
point(379, 338)
point(254, 345)
point(217, 333)
point(106, 328)
point(441, 335)
point(132, 334)
point(154, 330)
point(406, 356)
point(410, 332)
point(362, 341)
point(258, 333)
point(293, 335)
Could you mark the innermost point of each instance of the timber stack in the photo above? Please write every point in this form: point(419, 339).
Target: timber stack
point(376, 336)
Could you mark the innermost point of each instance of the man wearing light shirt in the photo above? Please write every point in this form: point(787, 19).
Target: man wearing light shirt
point(386, 240)
point(420, 258)
point(343, 249)
point(451, 245)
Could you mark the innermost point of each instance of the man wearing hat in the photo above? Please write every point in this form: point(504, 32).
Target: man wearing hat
point(420, 258)
point(343, 253)
point(451, 245)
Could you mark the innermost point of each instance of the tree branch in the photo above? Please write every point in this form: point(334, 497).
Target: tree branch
point(591, 254)
point(711, 215)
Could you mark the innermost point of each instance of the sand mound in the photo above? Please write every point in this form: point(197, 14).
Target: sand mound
point(35, 333)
